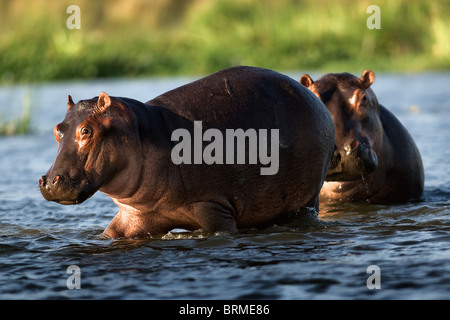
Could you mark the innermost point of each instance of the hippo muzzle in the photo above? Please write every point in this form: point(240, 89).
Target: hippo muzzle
point(354, 160)
point(65, 190)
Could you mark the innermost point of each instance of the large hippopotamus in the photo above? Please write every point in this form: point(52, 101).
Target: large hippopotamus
point(375, 159)
point(166, 165)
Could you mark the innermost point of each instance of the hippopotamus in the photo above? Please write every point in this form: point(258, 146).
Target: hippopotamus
point(129, 151)
point(375, 158)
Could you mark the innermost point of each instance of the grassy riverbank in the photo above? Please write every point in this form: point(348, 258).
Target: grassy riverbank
point(18, 125)
point(169, 37)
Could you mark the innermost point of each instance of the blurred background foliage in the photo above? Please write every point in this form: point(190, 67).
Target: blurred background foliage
point(128, 38)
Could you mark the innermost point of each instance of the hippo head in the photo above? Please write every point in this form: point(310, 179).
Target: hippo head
point(88, 143)
point(356, 116)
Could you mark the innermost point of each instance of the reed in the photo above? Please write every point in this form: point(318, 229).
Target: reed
point(18, 125)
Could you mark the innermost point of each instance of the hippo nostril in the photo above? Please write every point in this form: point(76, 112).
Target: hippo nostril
point(43, 181)
point(350, 147)
point(55, 179)
point(354, 144)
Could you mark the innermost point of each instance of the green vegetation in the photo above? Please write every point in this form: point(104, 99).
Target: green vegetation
point(126, 38)
point(18, 125)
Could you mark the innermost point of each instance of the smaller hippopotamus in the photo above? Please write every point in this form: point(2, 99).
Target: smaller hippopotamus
point(143, 155)
point(375, 159)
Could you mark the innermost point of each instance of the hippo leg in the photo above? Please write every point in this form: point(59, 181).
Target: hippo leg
point(213, 216)
point(209, 216)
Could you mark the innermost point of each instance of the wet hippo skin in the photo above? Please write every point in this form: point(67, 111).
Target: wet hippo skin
point(124, 148)
point(375, 159)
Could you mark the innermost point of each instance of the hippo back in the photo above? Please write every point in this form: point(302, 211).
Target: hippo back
point(254, 98)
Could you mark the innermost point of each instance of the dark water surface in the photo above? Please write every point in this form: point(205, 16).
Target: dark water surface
point(39, 240)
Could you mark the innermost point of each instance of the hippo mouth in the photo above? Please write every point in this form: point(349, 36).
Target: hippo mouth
point(64, 190)
point(353, 162)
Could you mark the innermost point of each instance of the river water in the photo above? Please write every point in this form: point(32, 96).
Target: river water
point(408, 244)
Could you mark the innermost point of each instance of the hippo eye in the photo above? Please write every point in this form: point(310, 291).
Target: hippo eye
point(85, 132)
point(364, 98)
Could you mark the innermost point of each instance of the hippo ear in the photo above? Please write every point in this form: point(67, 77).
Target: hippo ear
point(306, 80)
point(103, 103)
point(367, 78)
point(70, 103)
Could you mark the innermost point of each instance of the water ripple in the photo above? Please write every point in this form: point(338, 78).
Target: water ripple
point(327, 259)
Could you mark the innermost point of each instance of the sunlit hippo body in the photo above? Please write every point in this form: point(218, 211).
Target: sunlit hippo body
point(375, 159)
point(124, 148)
